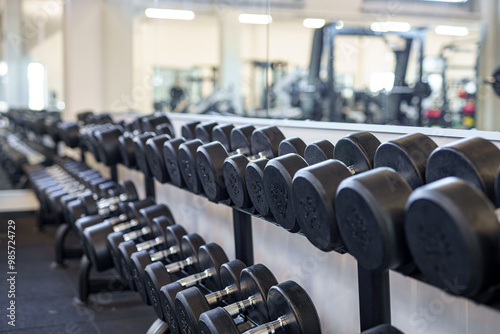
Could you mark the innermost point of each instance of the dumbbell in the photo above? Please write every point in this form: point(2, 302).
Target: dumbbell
point(192, 302)
point(289, 305)
point(147, 238)
point(452, 231)
point(314, 187)
point(473, 159)
point(101, 188)
point(158, 123)
point(128, 142)
point(122, 246)
point(89, 140)
point(279, 174)
point(186, 156)
point(382, 329)
point(210, 259)
point(210, 159)
point(369, 207)
point(202, 263)
point(95, 237)
point(370, 217)
point(60, 198)
point(157, 274)
point(141, 259)
point(374, 234)
point(155, 151)
point(92, 204)
point(129, 217)
point(171, 149)
point(242, 172)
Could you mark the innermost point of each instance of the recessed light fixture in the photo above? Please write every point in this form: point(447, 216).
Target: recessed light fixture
point(451, 31)
point(313, 23)
point(255, 18)
point(172, 14)
point(390, 26)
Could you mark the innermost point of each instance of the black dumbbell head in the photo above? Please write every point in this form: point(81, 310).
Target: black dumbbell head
point(188, 129)
point(278, 176)
point(107, 149)
point(140, 152)
point(452, 232)
point(370, 217)
point(290, 300)
point(318, 151)
point(154, 155)
point(209, 161)
point(241, 138)
point(128, 188)
point(357, 150)
point(96, 245)
point(203, 131)
point(266, 141)
point(292, 145)
point(155, 274)
point(171, 158)
point(140, 260)
point(84, 222)
point(126, 149)
point(313, 198)
point(234, 180)
point(210, 257)
point(191, 303)
point(217, 321)
point(407, 155)
point(187, 164)
point(222, 133)
point(114, 240)
point(165, 129)
point(475, 160)
point(254, 179)
point(256, 281)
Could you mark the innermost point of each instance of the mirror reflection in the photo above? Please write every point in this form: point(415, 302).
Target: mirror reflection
point(405, 62)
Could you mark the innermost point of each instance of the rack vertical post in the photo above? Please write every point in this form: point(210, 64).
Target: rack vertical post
point(243, 240)
point(374, 298)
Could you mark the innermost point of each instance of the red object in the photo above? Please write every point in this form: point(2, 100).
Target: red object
point(469, 108)
point(462, 94)
point(432, 113)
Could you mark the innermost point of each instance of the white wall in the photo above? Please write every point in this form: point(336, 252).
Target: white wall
point(49, 52)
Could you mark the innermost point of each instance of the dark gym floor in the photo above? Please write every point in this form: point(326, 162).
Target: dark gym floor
point(45, 295)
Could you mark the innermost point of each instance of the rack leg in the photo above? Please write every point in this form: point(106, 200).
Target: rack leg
point(86, 285)
point(374, 298)
point(114, 173)
point(243, 237)
point(150, 187)
point(62, 252)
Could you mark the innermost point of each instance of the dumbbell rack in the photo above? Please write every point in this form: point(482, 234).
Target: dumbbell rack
point(88, 285)
point(373, 288)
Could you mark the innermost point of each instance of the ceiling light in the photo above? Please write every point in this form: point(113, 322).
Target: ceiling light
point(451, 31)
point(313, 23)
point(390, 26)
point(172, 14)
point(255, 18)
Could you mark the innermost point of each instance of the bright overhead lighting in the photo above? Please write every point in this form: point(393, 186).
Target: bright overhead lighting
point(451, 31)
point(255, 18)
point(313, 23)
point(172, 14)
point(390, 26)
